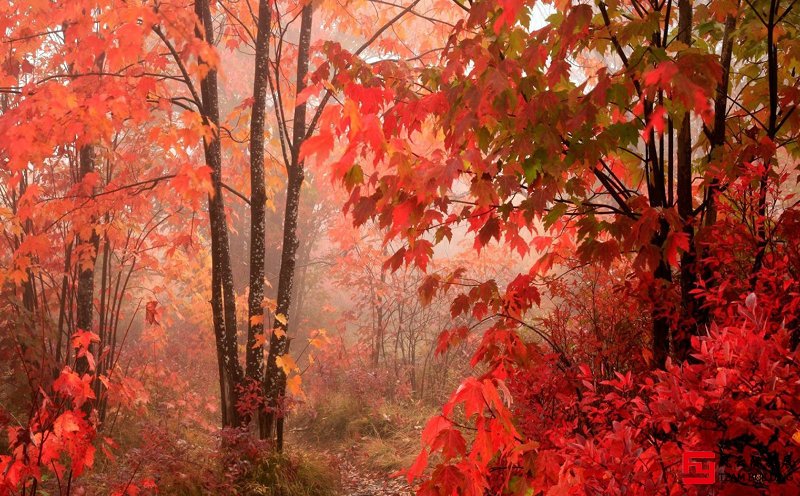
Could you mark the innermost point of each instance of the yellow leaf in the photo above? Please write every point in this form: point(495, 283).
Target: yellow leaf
point(287, 363)
point(796, 437)
point(293, 384)
point(281, 318)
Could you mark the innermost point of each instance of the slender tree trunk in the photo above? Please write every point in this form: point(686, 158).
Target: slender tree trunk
point(660, 194)
point(378, 334)
point(717, 140)
point(101, 328)
point(86, 264)
point(772, 131)
point(28, 289)
point(688, 277)
point(716, 144)
point(254, 369)
point(300, 288)
point(662, 274)
point(279, 343)
point(87, 158)
point(62, 306)
point(223, 298)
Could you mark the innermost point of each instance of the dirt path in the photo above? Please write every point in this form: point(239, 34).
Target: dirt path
point(357, 480)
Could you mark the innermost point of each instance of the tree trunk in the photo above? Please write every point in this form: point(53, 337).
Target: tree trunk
point(662, 275)
point(62, 307)
point(688, 277)
point(716, 143)
point(223, 298)
point(87, 156)
point(772, 130)
point(279, 342)
point(254, 369)
point(659, 197)
point(86, 264)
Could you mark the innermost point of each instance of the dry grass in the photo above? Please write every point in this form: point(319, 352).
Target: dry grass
point(292, 475)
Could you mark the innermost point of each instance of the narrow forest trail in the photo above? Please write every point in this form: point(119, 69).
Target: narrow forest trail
point(359, 480)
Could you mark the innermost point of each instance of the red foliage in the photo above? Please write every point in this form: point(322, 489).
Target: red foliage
point(571, 431)
point(59, 435)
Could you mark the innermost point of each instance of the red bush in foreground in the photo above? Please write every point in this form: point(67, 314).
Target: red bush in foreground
point(575, 433)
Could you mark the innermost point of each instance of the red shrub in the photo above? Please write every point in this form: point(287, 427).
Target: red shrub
point(570, 431)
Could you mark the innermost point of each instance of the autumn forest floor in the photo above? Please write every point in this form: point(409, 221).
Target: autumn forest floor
point(368, 449)
point(359, 477)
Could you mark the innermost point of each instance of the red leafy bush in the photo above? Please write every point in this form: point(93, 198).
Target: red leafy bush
point(629, 434)
point(571, 431)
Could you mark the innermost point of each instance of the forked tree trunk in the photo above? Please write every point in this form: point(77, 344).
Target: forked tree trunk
point(279, 342)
